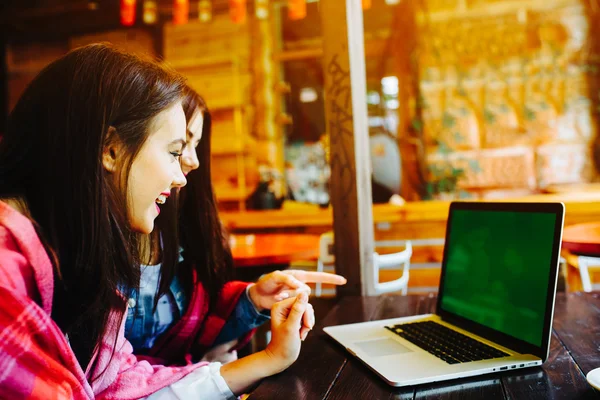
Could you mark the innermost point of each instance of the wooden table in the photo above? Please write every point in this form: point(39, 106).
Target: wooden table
point(582, 238)
point(253, 250)
point(325, 370)
point(581, 249)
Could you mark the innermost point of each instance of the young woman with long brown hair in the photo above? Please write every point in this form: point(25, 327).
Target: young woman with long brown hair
point(188, 305)
point(91, 149)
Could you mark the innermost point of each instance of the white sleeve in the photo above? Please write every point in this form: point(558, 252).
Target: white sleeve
point(205, 383)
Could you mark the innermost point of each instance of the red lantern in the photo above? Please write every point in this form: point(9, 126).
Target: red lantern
point(237, 11)
point(261, 9)
point(127, 12)
point(366, 4)
point(181, 10)
point(296, 9)
point(150, 14)
point(204, 10)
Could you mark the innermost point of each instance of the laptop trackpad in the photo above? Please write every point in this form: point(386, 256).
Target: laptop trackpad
point(382, 347)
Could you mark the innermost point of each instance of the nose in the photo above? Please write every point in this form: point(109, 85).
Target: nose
point(179, 178)
point(189, 160)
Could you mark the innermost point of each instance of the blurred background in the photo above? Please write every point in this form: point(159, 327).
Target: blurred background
point(466, 98)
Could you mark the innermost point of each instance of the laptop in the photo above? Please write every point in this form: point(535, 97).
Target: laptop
point(495, 300)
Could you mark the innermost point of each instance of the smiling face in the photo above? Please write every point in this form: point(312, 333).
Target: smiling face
point(156, 168)
point(189, 158)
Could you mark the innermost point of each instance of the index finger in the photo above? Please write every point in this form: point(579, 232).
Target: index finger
point(286, 279)
point(314, 277)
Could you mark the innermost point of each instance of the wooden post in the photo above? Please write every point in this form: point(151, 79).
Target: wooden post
point(346, 112)
point(402, 46)
point(269, 135)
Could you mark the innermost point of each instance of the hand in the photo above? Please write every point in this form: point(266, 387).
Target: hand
point(222, 353)
point(308, 321)
point(280, 285)
point(287, 317)
point(286, 320)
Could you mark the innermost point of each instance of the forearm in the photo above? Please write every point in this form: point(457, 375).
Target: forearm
point(204, 383)
point(246, 372)
point(282, 351)
point(245, 317)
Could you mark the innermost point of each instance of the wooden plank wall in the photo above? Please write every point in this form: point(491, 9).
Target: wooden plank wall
point(25, 60)
point(215, 57)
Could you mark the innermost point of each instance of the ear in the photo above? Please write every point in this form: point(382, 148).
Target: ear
point(111, 150)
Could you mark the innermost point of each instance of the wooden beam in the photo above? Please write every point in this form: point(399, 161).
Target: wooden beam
point(268, 133)
point(373, 48)
point(346, 113)
point(487, 10)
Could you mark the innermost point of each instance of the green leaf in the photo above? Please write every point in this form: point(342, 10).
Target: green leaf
point(489, 116)
point(429, 190)
point(448, 121)
point(457, 172)
point(417, 125)
point(443, 148)
point(528, 113)
point(436, 171)
point(442, 185)
point(421, 101)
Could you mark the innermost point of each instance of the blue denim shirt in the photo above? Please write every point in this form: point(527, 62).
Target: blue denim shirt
point(244, 318)
point(143, 326)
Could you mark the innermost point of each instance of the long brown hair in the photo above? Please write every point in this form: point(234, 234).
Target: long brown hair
point(51, 156)
point(203, 240)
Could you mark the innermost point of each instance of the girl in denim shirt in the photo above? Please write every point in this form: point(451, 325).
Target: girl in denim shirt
point(188, 308)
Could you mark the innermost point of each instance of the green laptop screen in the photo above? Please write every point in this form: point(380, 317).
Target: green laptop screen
point(497, 270)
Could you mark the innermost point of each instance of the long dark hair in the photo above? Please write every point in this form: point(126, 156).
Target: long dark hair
point(204, 242)
point(51, 156)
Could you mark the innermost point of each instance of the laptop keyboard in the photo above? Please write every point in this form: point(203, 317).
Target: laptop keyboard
point(445, 343)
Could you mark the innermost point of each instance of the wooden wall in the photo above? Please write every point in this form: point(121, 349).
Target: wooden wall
point(221, 61)
point(25, 60)
point(225, 62)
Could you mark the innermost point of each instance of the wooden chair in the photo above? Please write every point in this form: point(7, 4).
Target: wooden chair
point(326, 263)
point(583, 242)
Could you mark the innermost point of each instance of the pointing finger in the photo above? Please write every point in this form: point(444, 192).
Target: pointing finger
point(314, 277)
